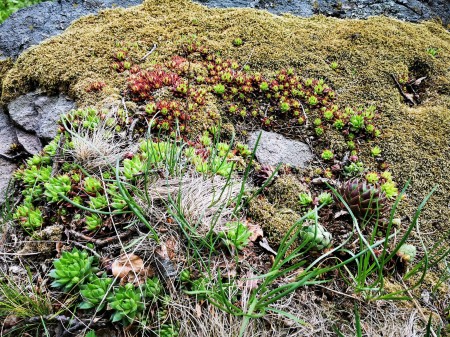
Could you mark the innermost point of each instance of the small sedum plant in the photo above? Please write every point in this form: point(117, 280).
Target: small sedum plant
point(235, 235)
point(56, 187)
point(71, 269)
point(92, 185)
point(305, 199)
point(168, 330)
point(152, 288)
point(126, 303)
point(325, 198)
point(327, 155)
point(95, 292)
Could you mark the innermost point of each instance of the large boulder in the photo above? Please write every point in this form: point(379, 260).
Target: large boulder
point(31, 25)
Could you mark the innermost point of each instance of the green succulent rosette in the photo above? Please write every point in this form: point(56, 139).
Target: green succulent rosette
point(95, 292)
point(71, 269)
point(317, 236)
point(126, 303)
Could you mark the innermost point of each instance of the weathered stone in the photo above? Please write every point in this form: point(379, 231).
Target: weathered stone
point(50, 109)
point(31, 25)
point(30, 142)
point(37, 113)
point(22, 111)
point(6, 170)
point(7, 133)
point(273, 149)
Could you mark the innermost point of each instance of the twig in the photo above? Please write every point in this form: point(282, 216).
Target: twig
point(131, 129)
point(150, 52)
point(248, 59)
point(101, 242)
point(76, 243)
point(304, 114)
point(407, 97)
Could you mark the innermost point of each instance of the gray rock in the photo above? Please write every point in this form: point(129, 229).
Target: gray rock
point(31, 25)
point(30, 142)
point(23, 112)
point(7, 133)
point(50, 109)
point(409, 10)
point(273, 149)
point(38, 114)
point(6, 170)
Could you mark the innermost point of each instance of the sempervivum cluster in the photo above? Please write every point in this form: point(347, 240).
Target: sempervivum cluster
point(142, 84)
point(71, 269)
point(263, 174)
point(365, 200)
point(317, 236)
point(284, 93)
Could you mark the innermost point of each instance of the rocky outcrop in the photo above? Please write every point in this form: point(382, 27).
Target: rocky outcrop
point(31, 122)
point(408, 10)
point(31, 25)
point(38, 113)
point(273, 149)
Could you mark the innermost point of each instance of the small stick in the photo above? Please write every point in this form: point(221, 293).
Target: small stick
point(304, 114)
point(150, 52)
point(99, 242)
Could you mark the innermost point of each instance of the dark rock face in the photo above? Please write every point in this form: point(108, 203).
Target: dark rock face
point(408, 10)
point(31, 25)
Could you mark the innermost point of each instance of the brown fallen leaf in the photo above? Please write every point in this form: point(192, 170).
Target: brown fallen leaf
point(256, 231)
point(130, 269)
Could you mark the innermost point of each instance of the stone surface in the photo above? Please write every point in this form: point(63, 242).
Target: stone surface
point(7, 133)
point(38, 114)
point(30, 142)
point(23, 112)
point(273, 149)
point(409, 10)
point(6, 170)
point(31, 25)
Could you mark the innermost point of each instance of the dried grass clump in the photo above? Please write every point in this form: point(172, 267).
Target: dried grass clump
point(97, 149)
point(205, 202)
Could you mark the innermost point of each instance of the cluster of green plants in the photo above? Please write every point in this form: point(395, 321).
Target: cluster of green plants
point(75, 271)
point(309, 250)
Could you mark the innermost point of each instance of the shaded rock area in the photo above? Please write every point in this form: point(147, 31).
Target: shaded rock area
point(408, 10)
point(38, 113)
point(31, 122)
point(273, 149)
point(31, 25)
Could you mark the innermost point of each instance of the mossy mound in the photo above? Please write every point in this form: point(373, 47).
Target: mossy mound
point(367, 53)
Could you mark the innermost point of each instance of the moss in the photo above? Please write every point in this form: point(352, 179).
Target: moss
point(367, 51)
point(274, 221)
point(283, 193)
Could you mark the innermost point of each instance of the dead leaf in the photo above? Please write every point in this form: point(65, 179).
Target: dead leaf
point(340, 213)
point(130, 269)
point(265, 245)
point(166, 265)
point(198, 310)
point(419, 80)
point(256, 231)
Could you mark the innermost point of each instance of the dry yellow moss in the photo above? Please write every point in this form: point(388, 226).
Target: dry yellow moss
point(416, 139)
